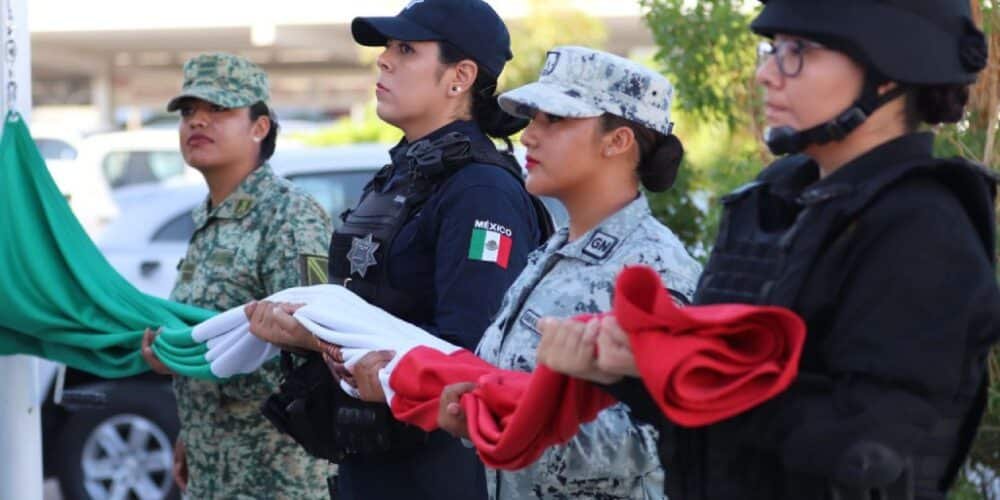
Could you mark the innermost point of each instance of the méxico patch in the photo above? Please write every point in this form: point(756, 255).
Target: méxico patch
point(491, 242)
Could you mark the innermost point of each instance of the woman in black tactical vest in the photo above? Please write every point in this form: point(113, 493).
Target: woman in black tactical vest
point(885, 251)
point(410, 247)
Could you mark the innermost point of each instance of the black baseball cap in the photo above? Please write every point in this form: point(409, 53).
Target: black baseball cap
point(471, 25)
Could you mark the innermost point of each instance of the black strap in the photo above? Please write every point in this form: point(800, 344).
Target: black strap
point(787, 140)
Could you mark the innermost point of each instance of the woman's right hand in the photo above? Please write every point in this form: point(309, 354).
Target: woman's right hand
point(614, 352)
point(273, 322)
point(149, 356)
point(334, 360)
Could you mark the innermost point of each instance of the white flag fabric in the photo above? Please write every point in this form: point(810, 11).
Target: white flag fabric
point(332, 313)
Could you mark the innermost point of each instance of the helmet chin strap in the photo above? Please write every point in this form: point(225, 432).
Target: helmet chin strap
point(787, 140)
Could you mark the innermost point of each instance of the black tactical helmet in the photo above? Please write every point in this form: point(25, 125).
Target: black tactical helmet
point(910, 42)
point(917, 42)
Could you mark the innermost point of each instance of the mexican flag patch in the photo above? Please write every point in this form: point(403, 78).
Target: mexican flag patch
point(491, 243)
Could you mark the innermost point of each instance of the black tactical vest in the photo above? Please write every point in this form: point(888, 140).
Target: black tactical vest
point(771, 235)
point(359, 248)
point(310, 407)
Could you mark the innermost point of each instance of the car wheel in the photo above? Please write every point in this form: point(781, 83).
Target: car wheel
point(121, 451)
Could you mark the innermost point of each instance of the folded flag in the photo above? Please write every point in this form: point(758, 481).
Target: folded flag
point(512, 417)
point(704, 364)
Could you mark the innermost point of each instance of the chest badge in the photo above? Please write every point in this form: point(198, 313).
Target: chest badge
point(600, 245)
point(362, 254)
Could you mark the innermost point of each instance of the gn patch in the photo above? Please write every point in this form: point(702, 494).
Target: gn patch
point(313, 269)
point(600, 245)
point(530, 321)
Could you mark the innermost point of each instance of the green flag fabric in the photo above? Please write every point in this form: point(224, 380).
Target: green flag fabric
point(59, 297)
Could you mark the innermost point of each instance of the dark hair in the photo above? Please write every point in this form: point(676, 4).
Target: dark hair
point(486, 111)
point(271, 139)
point(935, 104)
point(659, 155)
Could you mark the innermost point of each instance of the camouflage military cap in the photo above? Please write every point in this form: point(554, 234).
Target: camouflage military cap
point(222, 79)
point(577, 82)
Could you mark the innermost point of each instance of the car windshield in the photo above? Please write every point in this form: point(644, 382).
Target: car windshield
point(55, 149)
point(335, 191)
point(125, 168)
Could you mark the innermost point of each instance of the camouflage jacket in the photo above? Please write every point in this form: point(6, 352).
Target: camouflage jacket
point(612, 457)
point(264, 237)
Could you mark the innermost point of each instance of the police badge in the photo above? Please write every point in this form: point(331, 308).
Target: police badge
point(362, 254)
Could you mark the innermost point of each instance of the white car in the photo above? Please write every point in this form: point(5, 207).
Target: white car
point(85, 189)
point(151, 235)
point(135, 157)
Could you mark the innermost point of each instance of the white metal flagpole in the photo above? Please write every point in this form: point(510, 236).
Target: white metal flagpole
point(20, 422)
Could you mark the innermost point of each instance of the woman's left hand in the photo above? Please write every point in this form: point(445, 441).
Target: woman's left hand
point(451, 416)
point(273, 322)
point(568, 346)
point(366, 375)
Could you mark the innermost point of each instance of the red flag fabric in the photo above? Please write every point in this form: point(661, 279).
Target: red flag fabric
point(512, 416)
point(702, 364)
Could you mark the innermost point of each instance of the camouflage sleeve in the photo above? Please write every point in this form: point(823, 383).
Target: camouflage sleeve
point(297, 247)
point(294, 254)
point(610, 454)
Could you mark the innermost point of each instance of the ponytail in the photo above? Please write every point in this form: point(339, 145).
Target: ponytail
point(486, 111)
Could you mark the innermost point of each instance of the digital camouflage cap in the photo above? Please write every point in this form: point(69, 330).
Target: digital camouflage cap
point(222, 79)
point(578, 82)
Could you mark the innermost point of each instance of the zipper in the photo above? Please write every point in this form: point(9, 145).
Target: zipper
point(516, 312)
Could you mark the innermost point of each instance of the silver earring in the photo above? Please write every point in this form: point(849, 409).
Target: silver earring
point(257, 139)
point(456, 89)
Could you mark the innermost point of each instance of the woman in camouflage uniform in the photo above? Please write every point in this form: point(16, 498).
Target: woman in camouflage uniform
point(600, 126)
point(254, 236)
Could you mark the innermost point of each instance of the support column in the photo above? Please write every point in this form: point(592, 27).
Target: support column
point(20, 422)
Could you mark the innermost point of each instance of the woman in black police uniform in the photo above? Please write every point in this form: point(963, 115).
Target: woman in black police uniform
point(408, 246)
point(884, 250)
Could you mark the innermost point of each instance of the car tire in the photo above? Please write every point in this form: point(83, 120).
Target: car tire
point(126, 446)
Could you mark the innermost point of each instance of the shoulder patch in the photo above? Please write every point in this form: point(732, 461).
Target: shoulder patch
point(186, 270)
point(600, 245)
point(222, 257)
point(530, 320)
point(313, 269)
point(491, 242)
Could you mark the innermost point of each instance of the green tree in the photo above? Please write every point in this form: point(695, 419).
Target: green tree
point(549, 23)
point(708, 53)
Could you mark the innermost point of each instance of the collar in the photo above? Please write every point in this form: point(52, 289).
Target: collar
point(599, 244)
point(903, 149)
point(466, 127)
point(239, 203)
point(803, 182)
